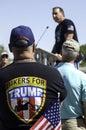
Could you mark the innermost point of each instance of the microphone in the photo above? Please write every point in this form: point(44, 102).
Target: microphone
point(42, 35)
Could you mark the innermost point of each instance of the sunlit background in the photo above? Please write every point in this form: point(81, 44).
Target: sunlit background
point(38, 15)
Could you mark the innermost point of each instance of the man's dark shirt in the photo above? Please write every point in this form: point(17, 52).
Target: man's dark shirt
point(27, 90)
point(65, 27)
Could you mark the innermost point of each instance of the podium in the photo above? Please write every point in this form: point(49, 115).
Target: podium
point(45, 57)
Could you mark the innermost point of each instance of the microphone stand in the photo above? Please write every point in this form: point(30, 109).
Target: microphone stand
point(42, 35)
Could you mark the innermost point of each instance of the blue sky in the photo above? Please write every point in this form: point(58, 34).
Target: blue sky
point(38, 15)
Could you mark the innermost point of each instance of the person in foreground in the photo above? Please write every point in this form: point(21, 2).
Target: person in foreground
point(73, 110)
point(27, 88)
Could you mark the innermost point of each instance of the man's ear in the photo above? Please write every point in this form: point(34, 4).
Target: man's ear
point(77, 57)
point(34, 47)
point(10, 47)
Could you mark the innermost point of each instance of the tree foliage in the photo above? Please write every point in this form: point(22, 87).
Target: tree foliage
point(83, 51)
point(1, 49)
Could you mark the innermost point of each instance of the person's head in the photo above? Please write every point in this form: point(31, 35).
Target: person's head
point(22, 42)
point(70, 50)
point(58, 14)
point(4, 59)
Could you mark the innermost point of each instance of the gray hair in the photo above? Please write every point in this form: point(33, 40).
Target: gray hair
point(68, 55)
point(22, 49)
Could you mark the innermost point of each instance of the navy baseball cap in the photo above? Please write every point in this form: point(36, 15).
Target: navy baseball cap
point(21, 33)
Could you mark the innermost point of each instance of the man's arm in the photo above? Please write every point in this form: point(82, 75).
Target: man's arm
point(84, 107)
point(69, 36)
point(69, 30)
